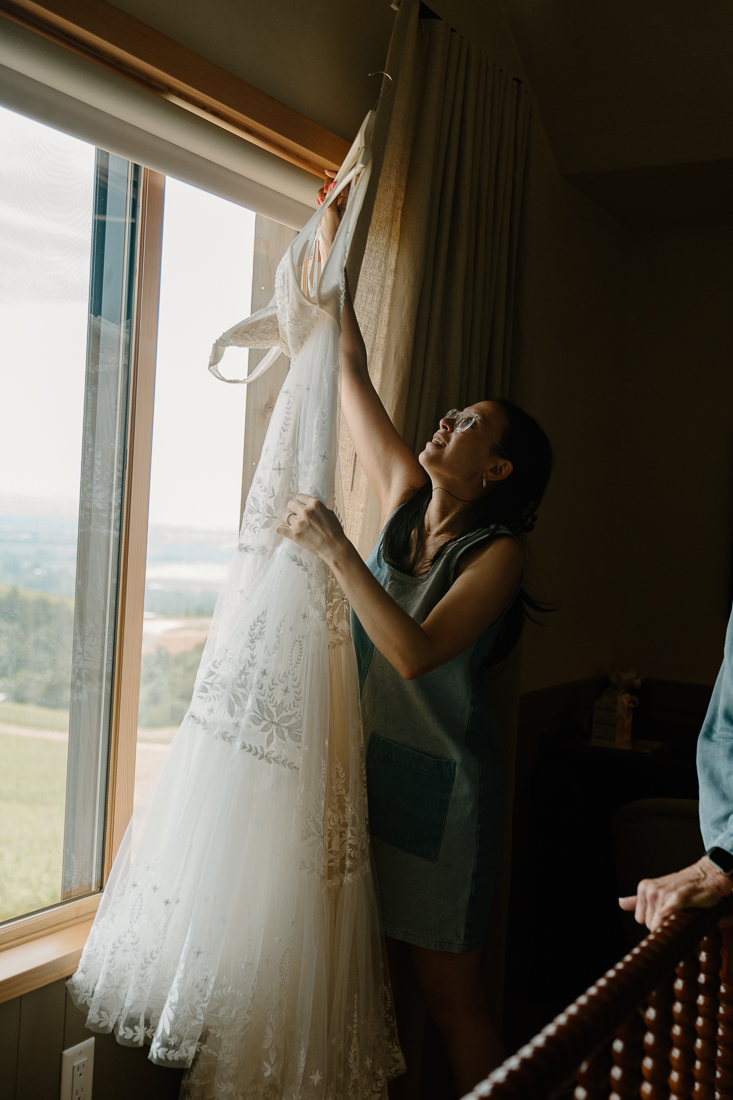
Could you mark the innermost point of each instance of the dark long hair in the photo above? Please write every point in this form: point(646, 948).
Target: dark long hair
point(512, 503)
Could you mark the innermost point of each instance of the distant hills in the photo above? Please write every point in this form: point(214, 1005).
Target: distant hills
point(38, 553)
point(37, 587)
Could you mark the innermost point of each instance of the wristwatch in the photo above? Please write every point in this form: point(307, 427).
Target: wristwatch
point(721, 860)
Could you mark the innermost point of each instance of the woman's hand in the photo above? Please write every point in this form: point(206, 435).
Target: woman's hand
point(699, 886)
point(310, 524)
point(331, 219)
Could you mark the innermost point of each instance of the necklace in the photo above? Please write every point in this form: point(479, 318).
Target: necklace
point(428, 531)
point(474, 500)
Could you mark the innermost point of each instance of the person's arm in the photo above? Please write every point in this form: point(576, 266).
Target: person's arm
point(390, 466)
point(701, 885)
point(474, 601)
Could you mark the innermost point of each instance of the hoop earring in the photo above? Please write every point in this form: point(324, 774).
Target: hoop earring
point(483, 481)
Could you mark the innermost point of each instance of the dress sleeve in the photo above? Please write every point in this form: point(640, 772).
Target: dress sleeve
point(715, 758)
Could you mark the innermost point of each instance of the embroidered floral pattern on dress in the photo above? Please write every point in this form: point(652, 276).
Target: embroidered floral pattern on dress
point(238, 934)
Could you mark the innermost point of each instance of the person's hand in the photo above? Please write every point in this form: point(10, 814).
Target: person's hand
point(699, 886)
point(310, 524)
point(332, 217)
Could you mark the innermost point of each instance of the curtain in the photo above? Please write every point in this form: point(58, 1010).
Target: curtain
point(437, 272)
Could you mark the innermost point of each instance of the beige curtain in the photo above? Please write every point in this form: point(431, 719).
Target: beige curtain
point(436, 282)
point(436, 273)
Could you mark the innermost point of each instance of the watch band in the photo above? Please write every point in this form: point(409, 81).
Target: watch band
point(721, 859)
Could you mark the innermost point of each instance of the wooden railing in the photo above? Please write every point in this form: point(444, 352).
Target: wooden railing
point(659, 1025)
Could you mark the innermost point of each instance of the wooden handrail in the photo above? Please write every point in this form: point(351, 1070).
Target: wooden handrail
point(117, 41)
point(573, 1043)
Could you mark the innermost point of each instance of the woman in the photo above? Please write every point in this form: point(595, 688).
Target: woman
point(440, 592)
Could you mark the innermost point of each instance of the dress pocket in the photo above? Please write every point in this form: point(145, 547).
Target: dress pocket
point(409, 794)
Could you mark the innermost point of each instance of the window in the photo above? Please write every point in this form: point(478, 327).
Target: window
point(79, 286)
point(196, 475)
point(209, 249)
point(70, 217)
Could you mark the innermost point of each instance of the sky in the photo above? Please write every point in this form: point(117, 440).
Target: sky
point(198, 427)
point(46, 181)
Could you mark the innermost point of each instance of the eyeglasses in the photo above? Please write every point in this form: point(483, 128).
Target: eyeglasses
point(464, 421)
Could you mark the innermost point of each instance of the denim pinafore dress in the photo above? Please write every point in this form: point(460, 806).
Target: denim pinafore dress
point(433, 772)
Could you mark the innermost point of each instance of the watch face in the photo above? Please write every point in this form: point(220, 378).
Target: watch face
point(722, 859)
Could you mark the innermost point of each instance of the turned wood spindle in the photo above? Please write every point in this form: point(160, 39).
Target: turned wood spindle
point(543, 1066)
point(626, 1052)
point(657, 1043)
point(593, 1080)
point(706, 1024)
point(684, 1011)
point(724, 1053)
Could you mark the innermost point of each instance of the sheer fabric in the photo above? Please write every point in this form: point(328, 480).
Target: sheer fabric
point(238, 934)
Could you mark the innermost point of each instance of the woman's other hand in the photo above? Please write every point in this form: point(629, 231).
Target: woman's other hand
point(310, 524)
point(699, 886)
point(332, 217)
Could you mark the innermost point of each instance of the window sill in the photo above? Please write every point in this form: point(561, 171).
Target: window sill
point(42, 952)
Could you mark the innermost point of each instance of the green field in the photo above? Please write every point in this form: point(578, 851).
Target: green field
point(32, 793)
point(36, 631)
point(34, 717)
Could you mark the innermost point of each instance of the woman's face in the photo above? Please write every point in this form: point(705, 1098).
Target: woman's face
point(470, 455)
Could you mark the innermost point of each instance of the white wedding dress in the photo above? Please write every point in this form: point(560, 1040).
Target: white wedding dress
point(238, 933)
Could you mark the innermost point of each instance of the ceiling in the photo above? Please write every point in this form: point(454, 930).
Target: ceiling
point(636, 97)
point(313, 55)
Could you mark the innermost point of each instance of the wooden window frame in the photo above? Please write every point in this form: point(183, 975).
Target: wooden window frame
point(117, 41)
point(44, 946)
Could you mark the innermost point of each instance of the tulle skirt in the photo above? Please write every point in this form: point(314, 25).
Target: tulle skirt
point(238, 934)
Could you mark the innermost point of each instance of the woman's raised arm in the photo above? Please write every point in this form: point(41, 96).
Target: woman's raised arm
point(390, 466)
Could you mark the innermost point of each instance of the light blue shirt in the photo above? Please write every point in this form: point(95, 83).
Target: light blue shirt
point(715, 758)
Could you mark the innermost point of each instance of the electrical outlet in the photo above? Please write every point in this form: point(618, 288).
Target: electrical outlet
point(77, 1069)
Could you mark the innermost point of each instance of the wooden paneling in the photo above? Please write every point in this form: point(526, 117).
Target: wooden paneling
point(120, 1072)
point(135, 533)
point(36, 1028)
point(9, 1033)
point(126, 1073)
point(120, 42)
point(75, 1030)
point(40, 1042)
